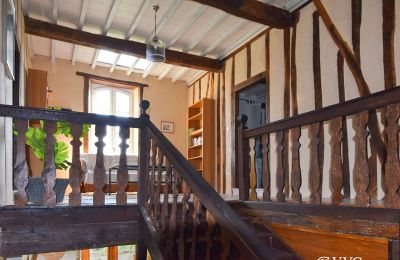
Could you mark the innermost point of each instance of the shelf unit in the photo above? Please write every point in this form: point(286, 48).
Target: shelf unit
point(201, 122)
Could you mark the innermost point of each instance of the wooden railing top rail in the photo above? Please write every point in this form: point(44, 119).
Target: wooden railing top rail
point(70, 116)
point(221, 211)
point(370, 102)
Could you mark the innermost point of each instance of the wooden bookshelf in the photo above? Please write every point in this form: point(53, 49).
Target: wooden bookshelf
point(202, 125)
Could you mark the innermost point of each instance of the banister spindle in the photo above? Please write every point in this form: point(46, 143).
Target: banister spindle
point(75, 171)
point(157, 205)
point(152, 189)
point(336, 167)
point(49, 168)
point(122, 172)
point(315, 174)
point(266, 168)
point(392, 165)
point(184, 215)
point(20, 166)
point(243, 159)
point(253, 172)
point(295, 178)
point(197, 211)
point(99, 170)
point(173, 218)
point(280, 175)
point(167, 188)
point(361, 165)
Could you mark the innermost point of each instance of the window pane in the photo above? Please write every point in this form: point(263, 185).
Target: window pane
point(122, 103)
point(101, 102)
point(126, 60)
point(142, 64)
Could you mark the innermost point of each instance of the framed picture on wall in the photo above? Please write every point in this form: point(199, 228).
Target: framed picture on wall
point(167, 127)
point(8, 32)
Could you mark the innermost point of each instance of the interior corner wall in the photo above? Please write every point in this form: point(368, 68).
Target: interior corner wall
point(371, 61)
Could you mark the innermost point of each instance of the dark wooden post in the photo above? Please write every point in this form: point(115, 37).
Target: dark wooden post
point(243, 159)
point(143, 173)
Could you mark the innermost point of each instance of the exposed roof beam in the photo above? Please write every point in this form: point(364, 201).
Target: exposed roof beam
point(65, 34)
point(143, 8)
point(54, 19)
point(115, 63)
point(165, 72)
point(215, 22)
point(253, 10)
point(180, 74)
point(148, 70)
point(130, 70)
point(106, 27)
point(245, 38)
point(111, 16)
point(196, 14)
point(224, 35)
point(25, 7)
point(81, 22)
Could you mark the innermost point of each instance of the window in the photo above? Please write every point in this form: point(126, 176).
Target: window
point(108, 100)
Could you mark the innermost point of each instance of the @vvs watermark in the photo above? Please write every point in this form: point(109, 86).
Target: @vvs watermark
point(340, 258)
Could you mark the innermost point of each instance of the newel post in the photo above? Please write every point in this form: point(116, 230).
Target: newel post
point(243, 159)
point(144, 146)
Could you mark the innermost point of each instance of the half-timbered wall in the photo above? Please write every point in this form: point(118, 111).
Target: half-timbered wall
point(371, 56)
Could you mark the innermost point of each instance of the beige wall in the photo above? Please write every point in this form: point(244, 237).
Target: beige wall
point(168, 101)
point(372, 65)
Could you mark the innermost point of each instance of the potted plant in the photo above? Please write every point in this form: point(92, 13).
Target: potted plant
point(35, 138)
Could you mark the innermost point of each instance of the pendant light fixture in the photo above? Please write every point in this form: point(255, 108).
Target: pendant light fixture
point(155, 50)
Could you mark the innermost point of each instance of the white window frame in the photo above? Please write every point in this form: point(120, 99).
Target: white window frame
point(94, 87)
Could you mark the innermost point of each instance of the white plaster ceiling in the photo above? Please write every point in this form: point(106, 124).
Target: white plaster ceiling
point(184, 26)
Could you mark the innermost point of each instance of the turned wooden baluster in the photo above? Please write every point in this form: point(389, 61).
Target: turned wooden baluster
point(99, 170)
point(184, 213)
point(20, 167)
point(315, 174)
point(266, 168)
point(243, 159)
point(295, 178)
point(160, 160)
point(336, 167)
point(152, 191)
point(361, 164)
point(49, 168)
point(392, 165)
point(197, 211)
point(167, 188)
point(209, 235)
point(252, 173)
point(122, 172)
point(75, 171)
point(174, 210)
point(280, 176)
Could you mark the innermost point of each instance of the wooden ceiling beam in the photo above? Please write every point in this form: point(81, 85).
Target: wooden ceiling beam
point(97, 41)
point(253, 10)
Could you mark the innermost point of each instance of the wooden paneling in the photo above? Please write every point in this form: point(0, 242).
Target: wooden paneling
point(36, 89)
point(303, 242)
point(39, 230)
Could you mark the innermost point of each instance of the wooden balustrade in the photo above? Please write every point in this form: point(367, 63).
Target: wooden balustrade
point(358, 111)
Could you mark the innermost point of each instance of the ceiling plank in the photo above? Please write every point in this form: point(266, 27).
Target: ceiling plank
point(224, 35)
point(81, 22)
point(148, 70)
point(170, 13)
point(130, 70)
point(214, 23)
point(65, 34)
point(143, 8)
point(180, 74)
point(165, 72)
point(253, 10)
point(195, 77)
